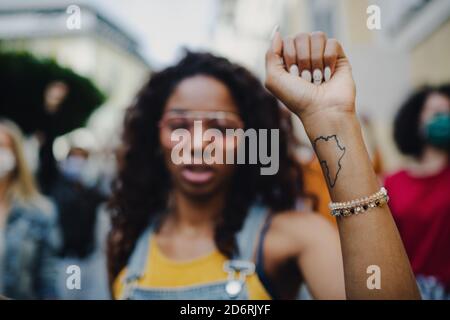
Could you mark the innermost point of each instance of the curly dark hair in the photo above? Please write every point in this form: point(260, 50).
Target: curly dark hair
point(143, 184)
point(407, 134)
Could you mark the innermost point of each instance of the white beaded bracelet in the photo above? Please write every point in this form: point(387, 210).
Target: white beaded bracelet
point(345, 209)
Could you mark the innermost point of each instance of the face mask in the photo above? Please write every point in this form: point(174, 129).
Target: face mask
point(437, 131)
point(73, 168)
point(7, 162)
point(79, 169)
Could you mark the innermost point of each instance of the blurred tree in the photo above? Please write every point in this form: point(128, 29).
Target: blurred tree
point(46, 100)
point(31, 89)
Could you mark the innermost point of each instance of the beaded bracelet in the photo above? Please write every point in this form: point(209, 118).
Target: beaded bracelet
point(345, 209)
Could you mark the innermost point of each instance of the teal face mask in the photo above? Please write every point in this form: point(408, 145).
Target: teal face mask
point(437, 131)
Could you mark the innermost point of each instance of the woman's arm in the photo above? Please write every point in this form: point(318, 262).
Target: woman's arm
point(327, 112)
point(316, 250)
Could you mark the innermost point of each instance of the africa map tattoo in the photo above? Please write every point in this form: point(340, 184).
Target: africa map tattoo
point(331, 173)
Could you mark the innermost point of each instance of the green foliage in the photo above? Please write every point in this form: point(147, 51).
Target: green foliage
point(23, 80)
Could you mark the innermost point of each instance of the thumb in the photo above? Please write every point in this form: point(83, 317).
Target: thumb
point(283, 85)
point(274, 55)
point(277, 78)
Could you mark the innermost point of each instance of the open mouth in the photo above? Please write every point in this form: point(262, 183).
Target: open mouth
point(197, 174)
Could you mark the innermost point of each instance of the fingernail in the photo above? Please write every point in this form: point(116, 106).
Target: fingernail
point(306, 75)
point(294, 70)
point(275, 30)
point(317, 76)
point(327, 73)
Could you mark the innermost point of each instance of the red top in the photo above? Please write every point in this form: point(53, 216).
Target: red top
point(421, 209)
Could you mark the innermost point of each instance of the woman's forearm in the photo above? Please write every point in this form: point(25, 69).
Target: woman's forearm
point(327, 109)
point(370, 238)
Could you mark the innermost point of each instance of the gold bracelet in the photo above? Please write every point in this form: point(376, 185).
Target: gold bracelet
point(345, 209)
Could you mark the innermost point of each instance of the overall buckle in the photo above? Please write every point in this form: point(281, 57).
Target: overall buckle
point(237, 271)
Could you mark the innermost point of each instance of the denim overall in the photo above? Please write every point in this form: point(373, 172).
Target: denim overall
point(237, 269)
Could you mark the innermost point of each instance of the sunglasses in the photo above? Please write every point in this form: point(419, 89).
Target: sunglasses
point(184, 119)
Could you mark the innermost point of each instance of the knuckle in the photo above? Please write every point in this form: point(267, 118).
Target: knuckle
point(318, 34)
point(288, 40)
point(332, 40)
point(289, 48)
point(333, 43)
point(301, 37)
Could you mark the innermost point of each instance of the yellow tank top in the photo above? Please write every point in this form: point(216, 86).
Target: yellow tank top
point(167, 273)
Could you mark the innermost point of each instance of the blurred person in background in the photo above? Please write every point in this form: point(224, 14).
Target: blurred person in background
point(107, 169)
point(47, 173)
point(82, 224)
point(221, 231)
point(28, 233)
point(420, 200)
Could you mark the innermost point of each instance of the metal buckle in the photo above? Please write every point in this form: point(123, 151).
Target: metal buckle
point(237, 271)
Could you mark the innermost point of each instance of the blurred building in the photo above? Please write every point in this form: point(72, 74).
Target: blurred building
point(412, 47)
point(101, 49)
point(423, 28)
point(243, 28)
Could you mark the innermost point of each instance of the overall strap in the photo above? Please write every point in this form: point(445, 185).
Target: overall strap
point(247, 237)
point(136, 262)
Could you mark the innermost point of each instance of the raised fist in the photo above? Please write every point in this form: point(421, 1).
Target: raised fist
point(311, 75)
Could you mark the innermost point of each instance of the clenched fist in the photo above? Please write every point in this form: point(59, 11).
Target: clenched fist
point(311, 75)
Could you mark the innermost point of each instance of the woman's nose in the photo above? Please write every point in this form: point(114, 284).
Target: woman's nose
point(198, 143)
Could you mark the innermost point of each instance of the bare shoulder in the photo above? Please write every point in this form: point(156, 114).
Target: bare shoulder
point(298, 230)
point(295, 241)
point(304, 221)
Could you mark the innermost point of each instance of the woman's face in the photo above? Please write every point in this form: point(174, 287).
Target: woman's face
point(199, 102)
point(7, 159)
point(436, 103)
